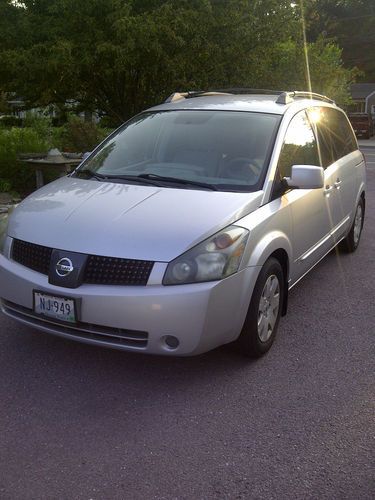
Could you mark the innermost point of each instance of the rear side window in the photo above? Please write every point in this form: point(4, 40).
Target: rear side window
point(335, 137)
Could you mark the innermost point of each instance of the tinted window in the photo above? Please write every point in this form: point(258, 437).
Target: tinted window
point(345, 141)
point(223, 148)
point(300, 147)
point(335, 137)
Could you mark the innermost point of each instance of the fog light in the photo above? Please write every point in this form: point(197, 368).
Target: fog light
point(171, 342)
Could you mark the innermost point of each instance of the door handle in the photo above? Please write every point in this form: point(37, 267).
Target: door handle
point(328, 189)
point(337, 183)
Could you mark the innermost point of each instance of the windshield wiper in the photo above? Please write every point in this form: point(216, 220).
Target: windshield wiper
point(134, 178)
point(90, 174)
point(176, 180)
point(152, 179)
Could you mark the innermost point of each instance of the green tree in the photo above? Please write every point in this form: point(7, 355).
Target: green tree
point(351, 23)
point(120, 56)
point(327, 73)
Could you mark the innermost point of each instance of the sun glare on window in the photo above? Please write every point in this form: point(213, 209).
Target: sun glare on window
point(315, 115)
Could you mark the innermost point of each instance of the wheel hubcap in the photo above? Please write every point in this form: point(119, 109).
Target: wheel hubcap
point(357, 225)
point(268, 308)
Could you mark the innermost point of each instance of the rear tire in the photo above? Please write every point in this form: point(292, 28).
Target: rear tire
point(351, 242)
point(262, 320)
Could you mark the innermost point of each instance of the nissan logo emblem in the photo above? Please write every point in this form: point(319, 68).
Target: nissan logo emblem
point(64, 267)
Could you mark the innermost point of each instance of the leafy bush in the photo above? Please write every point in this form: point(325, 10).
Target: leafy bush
point(39, 136)
point(5, 186)
point(10, 121)
point(42, 125)
point(108, 122)
point(79, 136)
point(15, 174)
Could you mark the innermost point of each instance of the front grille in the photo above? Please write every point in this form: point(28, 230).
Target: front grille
point(115, 271)
point(33, 256)
point(99, 270)
point(114, 337)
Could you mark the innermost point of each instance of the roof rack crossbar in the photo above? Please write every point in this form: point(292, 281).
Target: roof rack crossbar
point(287, 97)
point(177, 96)
point(246, 90)
point(284, 97)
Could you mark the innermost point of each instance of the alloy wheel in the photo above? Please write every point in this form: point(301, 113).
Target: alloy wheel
point(268, 308)
point(357, 225)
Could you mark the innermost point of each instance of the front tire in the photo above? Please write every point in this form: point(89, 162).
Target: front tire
point(351, 242)
point(262, 320)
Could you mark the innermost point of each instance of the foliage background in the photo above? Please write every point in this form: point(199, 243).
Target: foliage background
point(117, 57)
point(120, 56)
point(36, 136)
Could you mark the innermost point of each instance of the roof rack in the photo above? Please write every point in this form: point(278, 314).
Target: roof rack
point(284, 97)
point(246, 90)
point(288, 97)
point(177, 96)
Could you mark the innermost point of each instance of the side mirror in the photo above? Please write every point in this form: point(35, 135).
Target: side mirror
point(305, 177)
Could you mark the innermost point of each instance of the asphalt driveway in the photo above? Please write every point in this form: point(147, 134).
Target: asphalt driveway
point(79, 422)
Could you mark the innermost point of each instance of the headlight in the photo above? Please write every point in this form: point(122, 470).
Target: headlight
point(213, 259)
point(3, 230)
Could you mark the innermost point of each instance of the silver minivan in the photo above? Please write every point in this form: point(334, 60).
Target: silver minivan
point(186, 228)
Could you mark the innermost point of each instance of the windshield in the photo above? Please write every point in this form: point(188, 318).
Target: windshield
point(223, 150)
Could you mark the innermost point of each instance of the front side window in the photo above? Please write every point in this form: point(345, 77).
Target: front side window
point(224, 150)
point(299, 147)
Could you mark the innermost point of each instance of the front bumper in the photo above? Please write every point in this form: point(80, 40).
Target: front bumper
point(201, 316)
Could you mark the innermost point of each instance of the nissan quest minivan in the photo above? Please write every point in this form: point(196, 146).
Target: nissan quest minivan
point(186, 228)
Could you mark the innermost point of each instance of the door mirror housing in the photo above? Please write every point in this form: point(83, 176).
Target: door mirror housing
point(305, 177)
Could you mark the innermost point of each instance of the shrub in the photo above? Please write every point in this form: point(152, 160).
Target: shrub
point(107, 122)
point(5, 186)
point(42, 125)
point(79, 136)
point(15, 174)
point(10, 121)
point(38, 136)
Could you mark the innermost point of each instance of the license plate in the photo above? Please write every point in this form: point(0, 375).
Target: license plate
point(60, 308)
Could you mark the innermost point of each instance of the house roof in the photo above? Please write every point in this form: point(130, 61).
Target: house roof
point(361, 90)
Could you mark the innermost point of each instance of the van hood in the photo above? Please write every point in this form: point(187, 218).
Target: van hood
point(123, 220)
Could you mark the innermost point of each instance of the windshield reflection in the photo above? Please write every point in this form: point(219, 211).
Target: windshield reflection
point(224, 150)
